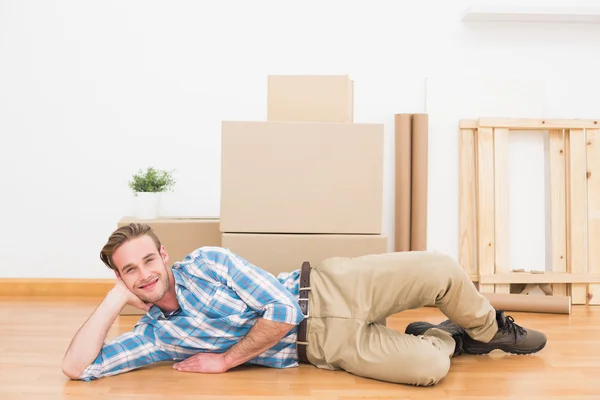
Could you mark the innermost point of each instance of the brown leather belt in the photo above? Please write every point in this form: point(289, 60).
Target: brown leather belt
point(301, 343)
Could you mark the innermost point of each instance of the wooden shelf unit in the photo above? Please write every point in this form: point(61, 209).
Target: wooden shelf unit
point(574, 146)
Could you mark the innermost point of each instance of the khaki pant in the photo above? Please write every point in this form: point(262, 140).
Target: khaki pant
point(349, 294)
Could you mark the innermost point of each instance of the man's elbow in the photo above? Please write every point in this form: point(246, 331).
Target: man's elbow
point(72, 371)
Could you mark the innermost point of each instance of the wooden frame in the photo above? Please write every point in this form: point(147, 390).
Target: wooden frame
point(574, 146)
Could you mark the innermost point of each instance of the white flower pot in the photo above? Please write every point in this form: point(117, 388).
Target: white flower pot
point(146, 205)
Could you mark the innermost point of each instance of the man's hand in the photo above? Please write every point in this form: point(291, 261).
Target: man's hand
point(263, 335)
point(132, 299)
point(207, 363)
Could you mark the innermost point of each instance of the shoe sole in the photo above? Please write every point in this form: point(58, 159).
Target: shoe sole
point(507, 349)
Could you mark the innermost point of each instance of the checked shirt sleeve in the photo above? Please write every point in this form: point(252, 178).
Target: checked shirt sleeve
point(261, 291)
point(124, 353)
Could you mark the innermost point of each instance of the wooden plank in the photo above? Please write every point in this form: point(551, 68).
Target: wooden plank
point(548, 277)
point(593, 201)
point(485, 205)
point(558, 208)
point(567, 137)
point(467, 124)
point(537, 124)
point(501, 216)
point(466, 149)
point(577, 257)
point(18, 287)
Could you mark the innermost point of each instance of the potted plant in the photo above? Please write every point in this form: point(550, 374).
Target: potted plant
point(147, 187)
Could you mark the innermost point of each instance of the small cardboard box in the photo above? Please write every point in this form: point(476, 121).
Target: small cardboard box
point(301, 177)
point(310, 98)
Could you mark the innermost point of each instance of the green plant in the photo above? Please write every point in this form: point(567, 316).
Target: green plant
point(152, 180)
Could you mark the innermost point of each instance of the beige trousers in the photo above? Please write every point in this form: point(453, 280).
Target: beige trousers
point(349, 294)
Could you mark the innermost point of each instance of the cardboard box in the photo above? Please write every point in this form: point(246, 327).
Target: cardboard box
point(301, 177)
point(278, 253)
point(310, 98)
point(180, 236)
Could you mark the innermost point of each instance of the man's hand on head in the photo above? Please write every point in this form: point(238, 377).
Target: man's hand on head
point(122, 290)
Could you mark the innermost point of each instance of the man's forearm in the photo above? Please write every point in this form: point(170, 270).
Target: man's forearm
point(263, 335)
point(88, 341)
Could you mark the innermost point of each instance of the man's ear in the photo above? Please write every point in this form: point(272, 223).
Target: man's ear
point(164, 254)
point(117, 274)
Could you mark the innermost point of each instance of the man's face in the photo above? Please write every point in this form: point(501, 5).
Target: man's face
point(143, 268)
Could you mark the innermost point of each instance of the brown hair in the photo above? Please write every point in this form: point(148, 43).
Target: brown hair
point(121, 236)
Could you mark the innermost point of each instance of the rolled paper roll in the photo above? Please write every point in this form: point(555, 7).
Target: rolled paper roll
point(530, 303)
point(403, 150)
point(419, 177)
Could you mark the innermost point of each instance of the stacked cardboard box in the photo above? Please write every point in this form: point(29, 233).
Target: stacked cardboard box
point(306, 184)
point(179, 236)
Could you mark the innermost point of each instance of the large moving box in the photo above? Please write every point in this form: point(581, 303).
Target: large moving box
point(278, 253)
point(179, 236)
point(310, 98)
point(301, 177)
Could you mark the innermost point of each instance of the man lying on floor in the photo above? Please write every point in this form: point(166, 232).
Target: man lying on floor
point(214, 311)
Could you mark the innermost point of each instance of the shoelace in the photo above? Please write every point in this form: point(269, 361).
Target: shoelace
point(510, 326)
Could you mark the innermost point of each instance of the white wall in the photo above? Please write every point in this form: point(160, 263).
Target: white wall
point(92, 91)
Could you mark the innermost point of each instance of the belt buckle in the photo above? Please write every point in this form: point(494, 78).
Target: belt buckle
point(307, 308)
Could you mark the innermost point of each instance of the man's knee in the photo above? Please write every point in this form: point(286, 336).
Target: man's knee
point(442, 260)
point(430, 370)
point(423, 369)
point(441, 265)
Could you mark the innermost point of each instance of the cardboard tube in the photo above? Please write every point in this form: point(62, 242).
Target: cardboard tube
point(530, 303)
point(420, 139)
point(403, 185)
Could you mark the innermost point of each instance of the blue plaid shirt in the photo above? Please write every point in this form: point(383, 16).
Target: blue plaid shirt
point(221, 297)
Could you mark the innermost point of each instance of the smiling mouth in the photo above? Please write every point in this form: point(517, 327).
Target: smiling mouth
point(150, 284)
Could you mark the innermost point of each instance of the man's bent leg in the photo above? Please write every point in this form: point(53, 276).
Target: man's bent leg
point(374, 351)
point(373, 287)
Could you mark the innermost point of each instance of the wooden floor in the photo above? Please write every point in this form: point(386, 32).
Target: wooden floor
point(34, 334)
